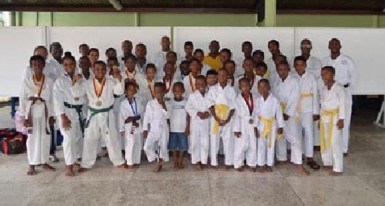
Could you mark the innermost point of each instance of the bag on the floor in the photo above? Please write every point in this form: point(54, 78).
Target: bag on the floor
point(12, 142)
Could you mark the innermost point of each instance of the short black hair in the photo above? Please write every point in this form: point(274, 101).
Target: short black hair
point(229, 62)
point(54, 44)
point(198, 51)
point(110, 49)
point(141, 45)
point(330, 69)
point(274, 42)
point(93, 50)
point(84, 45)
point(211, 72)
point(68, 55)
point(226, 50)
point(160, 85)
point(101, 63)
point(113, 58)
point(264, 81)
point(129, 84)
point(261, 64)
point(150, 65)
point(247, 43)
point(248, 59)
point(178, 84)
point(36, 58)
point(130, 56)
point(195, 60)
point(200, 77)
point(244, 79)
point(300, 58)
point(171, 52)
point(188, 43)
point(260, 52)
point(284, 62)
point(40, 47)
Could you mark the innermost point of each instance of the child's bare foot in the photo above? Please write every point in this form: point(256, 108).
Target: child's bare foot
point(122, 166)
point(69, 171)
point(241, 169)
point(335, 173)
point(136, 165)
point(328, 168)
point(180, 165)
point(198, 166)
point(159, 166)
point(202, 166)
point(261, 169)
point(82, 169)
point(228, 167)
point(48, 167)
point(31, 170)
point(175, 165)
point(282, 162)
point(130, 166)
point(77, 165)
point(214, 167)
point(269, 169)
point(253, 169)
point(301, 171)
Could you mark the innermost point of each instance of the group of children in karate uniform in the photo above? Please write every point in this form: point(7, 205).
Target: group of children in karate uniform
point(254, 117)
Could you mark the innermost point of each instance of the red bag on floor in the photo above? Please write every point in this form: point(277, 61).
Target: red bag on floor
point(12, 142)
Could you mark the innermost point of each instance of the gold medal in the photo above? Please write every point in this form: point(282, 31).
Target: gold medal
point(76, 98)
point(251, 121)
point(99, 103)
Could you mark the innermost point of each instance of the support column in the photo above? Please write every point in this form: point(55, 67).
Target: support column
point(270, 13)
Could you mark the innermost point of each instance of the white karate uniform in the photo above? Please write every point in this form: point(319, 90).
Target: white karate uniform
point(188, 86)
point(155, 122)
point(101, 124)
point(288, 92)
point(199, 128)
point(67, 99)
point(269, 109)
point(140, 80)
point(271, 68)
point(159, 61)
point(142, 69)
point(205, 69)
point(330, 100)
point(38, 142)
point(225, 96)
point(346, 74)
point(133, 135)
point(253, 85)
point(308, 106)
point(49, 71)
point(169, 94)
point(245, 146)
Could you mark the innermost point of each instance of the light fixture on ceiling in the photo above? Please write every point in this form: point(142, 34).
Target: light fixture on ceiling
point(116, 4)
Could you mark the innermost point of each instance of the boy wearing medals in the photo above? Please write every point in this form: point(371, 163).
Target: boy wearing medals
point(36, 110)
point(248, 66)
point(222, 107)
point(69, 98)
point(244, 128)
point(100, 119)
point(189, 83)
point(169, 79)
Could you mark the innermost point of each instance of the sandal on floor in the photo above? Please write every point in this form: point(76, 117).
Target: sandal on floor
point(313, 165)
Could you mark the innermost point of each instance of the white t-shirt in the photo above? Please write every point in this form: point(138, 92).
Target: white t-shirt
point(178, 116)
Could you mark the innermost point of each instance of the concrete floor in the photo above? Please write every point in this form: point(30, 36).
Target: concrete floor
point(363, 181)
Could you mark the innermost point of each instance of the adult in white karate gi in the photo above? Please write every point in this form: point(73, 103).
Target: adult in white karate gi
point(69, 99)
point(332, 97)
point(346, 76)
point(100, 118)
point(308, 108)
point(245, 143)
point(222, 107)
point(288, 93)
point(36, 110)
point(198, 108)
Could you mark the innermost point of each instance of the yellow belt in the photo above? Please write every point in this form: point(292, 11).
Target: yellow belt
point(221, 110)
point(303, 95)
point(331, 114)
point(268, 129)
